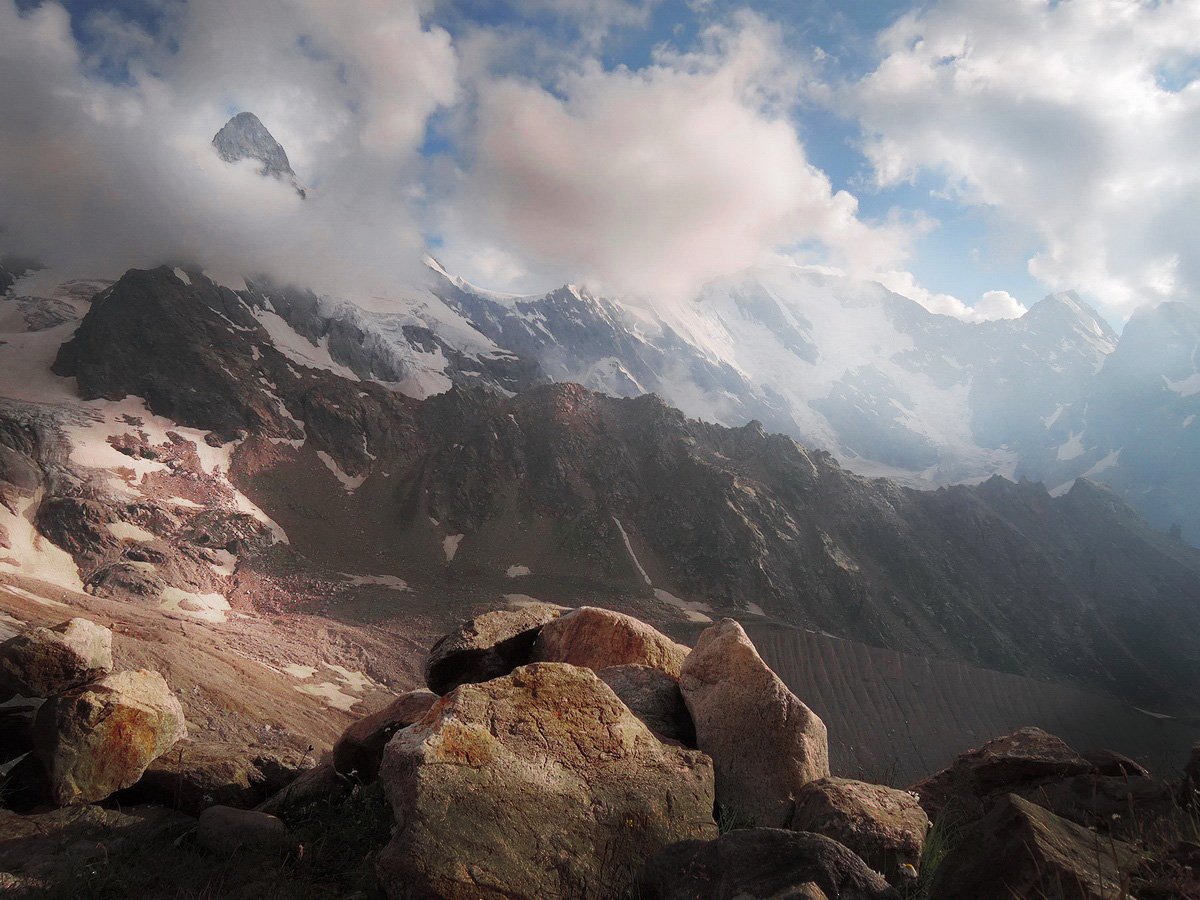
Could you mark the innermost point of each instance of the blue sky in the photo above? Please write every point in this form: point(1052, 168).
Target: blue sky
point(975, 154)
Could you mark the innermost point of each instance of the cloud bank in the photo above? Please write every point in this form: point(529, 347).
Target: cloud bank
point(1076, 120)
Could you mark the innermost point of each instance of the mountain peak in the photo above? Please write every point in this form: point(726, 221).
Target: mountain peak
point(245, 137)
point(1066, 309)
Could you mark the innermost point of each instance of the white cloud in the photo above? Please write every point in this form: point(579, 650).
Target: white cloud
point(653, 181)
point(96, 177)
point(991, 306)
point(1074, 119)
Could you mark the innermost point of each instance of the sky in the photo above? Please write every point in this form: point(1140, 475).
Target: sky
point(974, 155)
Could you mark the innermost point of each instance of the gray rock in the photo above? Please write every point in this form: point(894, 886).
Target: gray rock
point(245, 137)
point(764, 742)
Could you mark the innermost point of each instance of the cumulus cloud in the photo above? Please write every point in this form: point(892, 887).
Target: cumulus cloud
point(97, 175)
point(651, 181)
point(991, 306)
point(1076, 119)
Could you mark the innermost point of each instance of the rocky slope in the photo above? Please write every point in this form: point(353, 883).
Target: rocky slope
point(597, 492)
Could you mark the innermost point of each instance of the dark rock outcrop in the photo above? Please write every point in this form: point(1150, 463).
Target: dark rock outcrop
point(41, 662)
point(1109, 762)
point(762, 864)
point(224, 830)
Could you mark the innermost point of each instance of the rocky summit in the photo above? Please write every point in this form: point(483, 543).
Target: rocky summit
point(245, 137)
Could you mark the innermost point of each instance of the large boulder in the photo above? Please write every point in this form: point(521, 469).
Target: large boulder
point(41, 662)
point(98, 739)
point(765, 744)
point(1024, 759)
point(486, 647)
point(761, 863)
point(884, 826)
point(600, 638)
point(538, 784)
point(1021, 850)
point(194, 775)
point(359, 750)
point(317, 788)
point(223, 830)
point(1110, 762)
point(654, 697)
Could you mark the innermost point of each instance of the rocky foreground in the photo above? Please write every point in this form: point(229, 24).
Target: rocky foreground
point(574, 753)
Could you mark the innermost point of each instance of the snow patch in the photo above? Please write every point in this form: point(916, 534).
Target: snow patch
point(1107, 463)
point(351, 483)
point(1072, 448)
point(182, 276)
point(206, 607)
point(692, 609)
point(450, 545)
point(329, 692)
point(388, 581)
point(1185, 388)
point(127, 531)
point(517, 571)
point(32, 554)
point(629, 549)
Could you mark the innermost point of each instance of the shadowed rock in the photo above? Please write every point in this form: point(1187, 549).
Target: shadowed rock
point(100, 738)
point(359, 750)
point(1024, 759)
point(538, 784)
point(224, 830)
point(600, 638)
point(1110, 762)
point(764, 742)
point(1022, 850)
point(486, 647)
point(762, 863)
point(654, 697)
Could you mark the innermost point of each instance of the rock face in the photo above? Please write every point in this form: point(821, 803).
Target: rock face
point(1024, 759)
point(193, 776)
point(761, 863)
point(600, 638)
point(1116, 804)
point(884, 826)
point(100, 738)
point(45, 661)
point(245, 137)
point(1190, 789)
point(765, 744)
point(486, 647)
point(224, 830)
point(654, 697)
point(538, 784)
point(359, 750)
point(1021, 850)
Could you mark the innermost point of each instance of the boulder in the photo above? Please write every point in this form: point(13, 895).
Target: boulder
point(1118, 805)
point(100, 738)
point(41, 662)
point(538, 784)
point(600, 638)
point(884, 826)
point(194, 775)
point(765, 744)
point(1109, 762)
point(1024, 759)
point(486, 647)
point(761, 863)
point(359, 750)
point(654, 697)
point(223, 830)
point(1021, 850)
